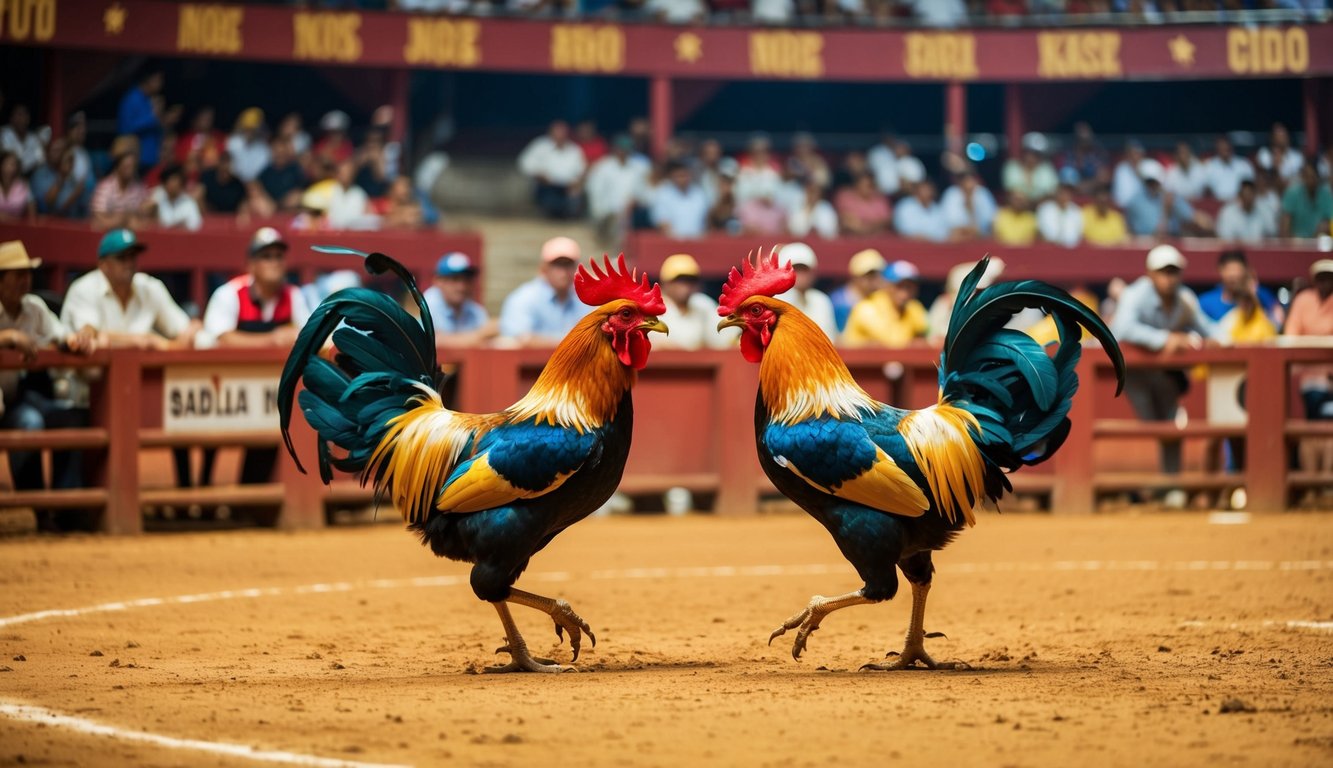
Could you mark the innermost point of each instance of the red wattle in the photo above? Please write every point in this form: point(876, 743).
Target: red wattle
point(751, 346)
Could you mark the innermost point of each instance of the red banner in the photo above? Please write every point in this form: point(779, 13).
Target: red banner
point(404, 40)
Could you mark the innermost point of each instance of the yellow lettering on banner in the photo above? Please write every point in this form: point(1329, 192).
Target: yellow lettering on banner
point(443, 42)
point(1268, 51)
point(209, 29)
point(943, 55)
point(1078, 54)
point(587, 48)
point(787, 54)
point(23, 20)
point(326, 36)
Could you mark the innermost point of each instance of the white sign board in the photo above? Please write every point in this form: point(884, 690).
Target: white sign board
point(234, 399)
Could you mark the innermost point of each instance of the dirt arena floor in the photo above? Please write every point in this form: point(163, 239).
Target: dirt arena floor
point(1116, 640)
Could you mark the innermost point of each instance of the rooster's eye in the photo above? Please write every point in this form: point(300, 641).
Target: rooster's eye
point(625, 314)
point(755, 310)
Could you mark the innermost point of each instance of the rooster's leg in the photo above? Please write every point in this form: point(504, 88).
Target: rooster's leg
point(517, 648)
point(808, 619)
point(915, 649)
point(564, 617)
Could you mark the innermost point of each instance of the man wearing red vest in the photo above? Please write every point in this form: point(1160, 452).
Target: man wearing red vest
point(257, 309)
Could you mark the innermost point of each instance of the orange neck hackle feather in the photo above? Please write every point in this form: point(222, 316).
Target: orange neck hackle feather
point(801, 375)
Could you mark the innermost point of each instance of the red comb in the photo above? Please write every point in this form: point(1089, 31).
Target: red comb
point(616, 282)
point(762, 277)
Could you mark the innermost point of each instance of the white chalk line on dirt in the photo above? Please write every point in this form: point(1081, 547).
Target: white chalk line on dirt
point(43, 716)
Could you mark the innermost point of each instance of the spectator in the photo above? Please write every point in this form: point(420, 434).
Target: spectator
point(722, 214)
point(290, 129)
point(1279, 156)
point(1155, 213)
point(556, 166)
point(313, 216)
point(140, 115)
point(400, 209)
point(892, 316)
point(805, 164)
point(969, 208)
point(1031, 173)
point(15, 197)
point(1187, 178)
point(372, 164)
point(54, 188)
point(1014, 223)
point(1084, 166)
point(27, 324)
point(1307, 206)
point(172, 206)
point(1158, 313)
point(883, 161)
point(919, 217)
point(676, 11)
point(283, 180)
point(333, 146)
point(1126, 181)
point(911, 171)
point(248, 147)
point(862, 209)
point(590, 142)
point(119, 198)
point(1243, 221)
point(1102, 224)
point(772, 12)
point(865, 273)
point(153, 177)
point(614, 183)
point(1060, 220)
point(691, 316)
point(75, 136)
point(1268, 195)
point(853, 166)
point(680, 207)
point(222, 191)
point(803, 295)
point(349, 205)
point(1233, 270)
point(541, 311)
point(711, 162)
point(1226, 170)
point(203, 141)
point(459, 321)
point(762, 215)
point(759, 173)
point(19, 138)
point(1312, 315)
point(938, 13)
point(815, 214)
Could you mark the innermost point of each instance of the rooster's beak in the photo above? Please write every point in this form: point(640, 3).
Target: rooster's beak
point(654, 324)
point(730, 321)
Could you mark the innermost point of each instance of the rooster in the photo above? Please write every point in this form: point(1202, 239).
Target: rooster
point(892, 485)
point(489, 489)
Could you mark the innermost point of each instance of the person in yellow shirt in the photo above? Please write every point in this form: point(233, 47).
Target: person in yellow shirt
point(1103, 224)
point(891, 316)
point(1015, 224)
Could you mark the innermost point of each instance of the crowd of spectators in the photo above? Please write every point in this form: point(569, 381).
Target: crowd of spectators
point(1081, 195)
point(161, 170)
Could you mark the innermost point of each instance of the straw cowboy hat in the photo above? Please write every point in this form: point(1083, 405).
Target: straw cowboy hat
point(14, 256)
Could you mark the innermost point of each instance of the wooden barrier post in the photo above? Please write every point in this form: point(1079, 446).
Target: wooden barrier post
point(738, 468)
point(123, 422)
point(1074, 493)
point(1265, 432)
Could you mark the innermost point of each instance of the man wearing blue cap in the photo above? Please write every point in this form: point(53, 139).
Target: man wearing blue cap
point(459, 321)
point(891, 316)
point(125, 307)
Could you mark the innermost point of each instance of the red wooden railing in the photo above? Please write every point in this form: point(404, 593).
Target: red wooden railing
point(693, 428)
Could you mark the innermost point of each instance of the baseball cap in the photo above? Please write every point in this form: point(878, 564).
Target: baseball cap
point(14, 256)
point(251, 118)
point(678, 266)
point(560, 248)
point(1321, 267)
point(865, 262)
point(337, 120)
point(119, 241)
point(1164, 256)
point(799, 254)
point(265, 237)
point(900, 270)
point(1151, 170)
point(319, 196)
point(454, 263)
point(729, 167)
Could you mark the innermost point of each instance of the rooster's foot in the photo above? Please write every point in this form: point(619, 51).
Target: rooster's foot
point(911, 654)
point(808, 619)
point(567, 621)
point(522, 661)
point(538, 659)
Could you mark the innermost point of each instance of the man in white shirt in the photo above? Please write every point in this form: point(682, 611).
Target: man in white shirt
point(1060, 219)
point(174, 208)
point(969, 208)
point(1126, 183)
point(911, 171)
point(680, 206)
point(248, 146)
point(804, 296)
point(1280, 156)
point(919, 217)
point(1243, 220)
point(19, 138)
point(759, 174)
point(691, 316)
point(349, 205)
point(1187, 177)
point(614, 183)
point(883, 162)
point(541, 311)
point(1226, 170)
point(556, 166)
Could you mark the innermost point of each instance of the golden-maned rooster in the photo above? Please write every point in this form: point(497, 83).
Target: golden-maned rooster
point(892, 485)
point(489, 489)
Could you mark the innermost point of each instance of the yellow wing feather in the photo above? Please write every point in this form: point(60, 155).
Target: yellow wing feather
point(885, 486)
point(940, 441)
point(480, 487)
